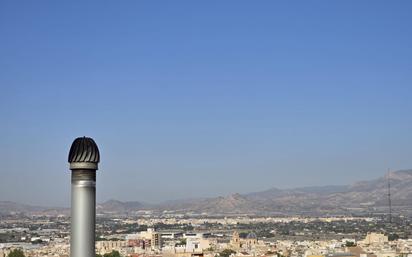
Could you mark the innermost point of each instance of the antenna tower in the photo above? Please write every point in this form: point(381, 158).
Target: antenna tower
point(389, 196)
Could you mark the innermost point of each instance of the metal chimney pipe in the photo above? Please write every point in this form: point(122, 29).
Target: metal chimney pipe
point(84, 157)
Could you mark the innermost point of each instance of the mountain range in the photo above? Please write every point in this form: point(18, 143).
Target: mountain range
point(359, 198)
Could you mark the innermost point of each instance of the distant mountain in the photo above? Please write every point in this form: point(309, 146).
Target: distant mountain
point(376, 190)
point(115, 206)
point(365, 196)
point(361, 197)
point(7, 207)
point(232, 204)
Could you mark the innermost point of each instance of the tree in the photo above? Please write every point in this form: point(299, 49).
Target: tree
point(181, 242)
point(243, 234)
point(16, 253)
point(350, 244)
point(112, 254)
point(226, 253)
point(393, 237)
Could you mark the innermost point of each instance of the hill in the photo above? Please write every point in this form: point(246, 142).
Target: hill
point(363, 197)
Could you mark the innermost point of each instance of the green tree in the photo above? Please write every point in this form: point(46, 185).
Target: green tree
point(226, 253)
point(350, 244)
point(112, 254)
point(16, 253)
point(393, 237)
point(181, 242)
point(243, 234)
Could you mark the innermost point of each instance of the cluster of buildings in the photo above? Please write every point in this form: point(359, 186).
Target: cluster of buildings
point(213, 237)
point(145, 241)
point(196, 221)
point(153, 243)
point(202, 245)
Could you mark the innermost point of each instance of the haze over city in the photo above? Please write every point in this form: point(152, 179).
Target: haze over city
point(202, 99)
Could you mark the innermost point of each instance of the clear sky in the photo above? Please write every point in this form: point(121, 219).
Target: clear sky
point(202, 98)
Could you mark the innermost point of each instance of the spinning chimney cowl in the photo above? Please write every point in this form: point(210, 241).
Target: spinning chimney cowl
point(84, 153)
point(83, 157)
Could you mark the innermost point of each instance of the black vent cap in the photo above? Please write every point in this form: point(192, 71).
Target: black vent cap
point(84, 149)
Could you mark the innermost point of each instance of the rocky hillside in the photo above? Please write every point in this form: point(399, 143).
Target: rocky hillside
point(361, 197)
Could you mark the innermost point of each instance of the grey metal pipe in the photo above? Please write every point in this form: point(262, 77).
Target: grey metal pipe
point(84, 157)
point(83, 213)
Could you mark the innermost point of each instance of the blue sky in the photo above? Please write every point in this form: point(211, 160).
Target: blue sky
point(192, 98)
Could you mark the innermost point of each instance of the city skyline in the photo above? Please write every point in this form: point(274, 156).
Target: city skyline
point(190, 100)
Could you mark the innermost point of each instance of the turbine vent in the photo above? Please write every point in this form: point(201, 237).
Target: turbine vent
point(84, 149)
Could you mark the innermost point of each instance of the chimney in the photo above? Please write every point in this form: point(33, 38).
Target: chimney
point(83, 158)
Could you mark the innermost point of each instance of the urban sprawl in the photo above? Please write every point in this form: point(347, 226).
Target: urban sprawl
point(179, 235)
